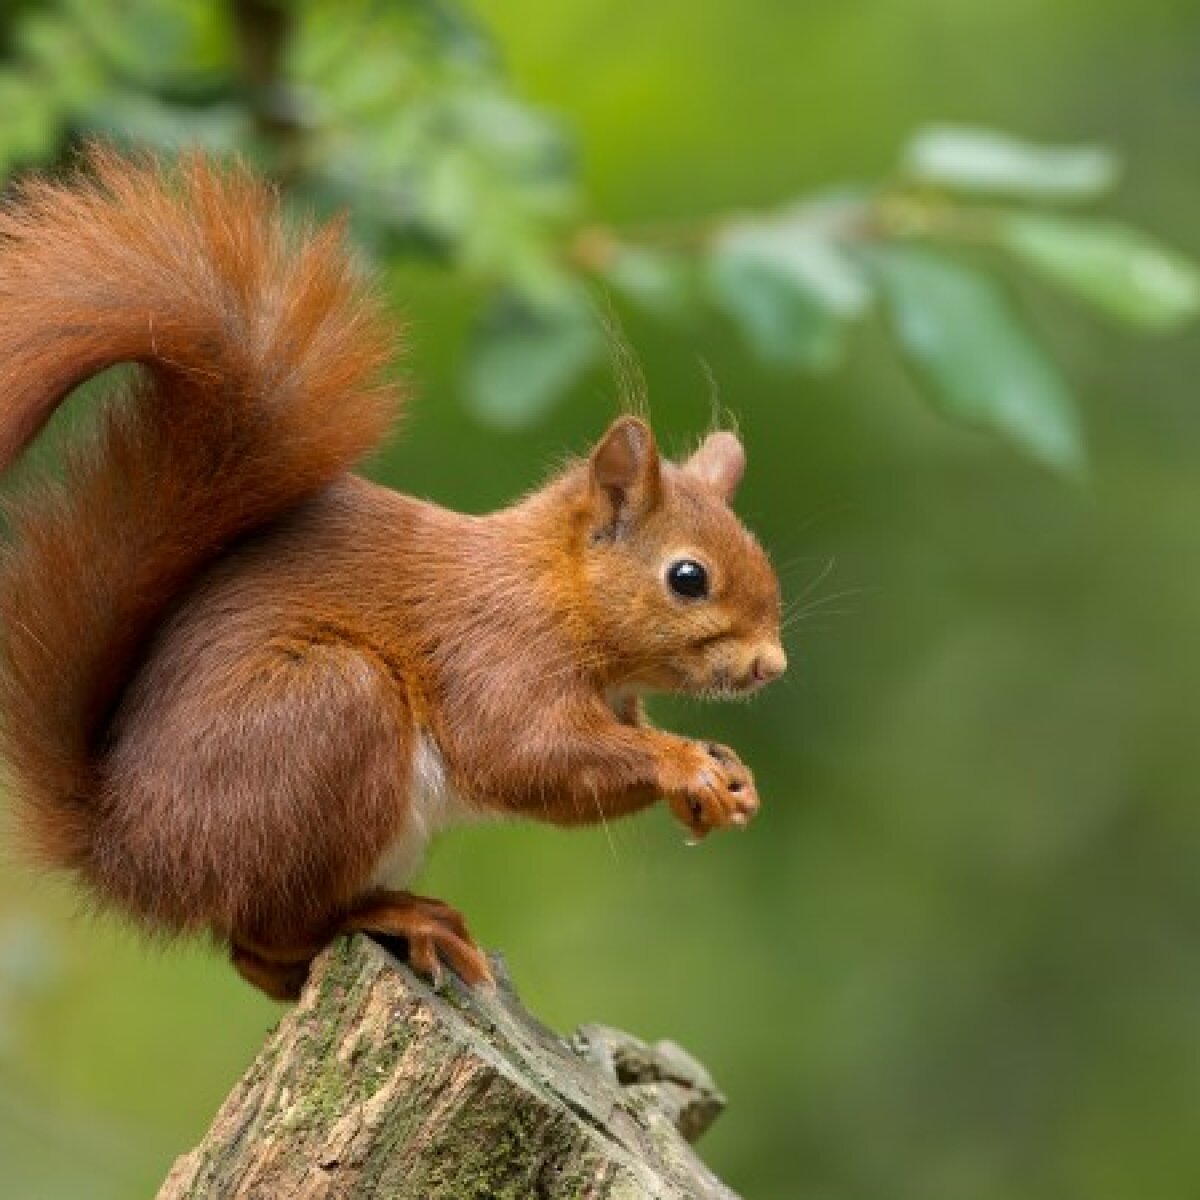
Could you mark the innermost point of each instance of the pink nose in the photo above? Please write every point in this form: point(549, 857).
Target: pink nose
point(769, 663)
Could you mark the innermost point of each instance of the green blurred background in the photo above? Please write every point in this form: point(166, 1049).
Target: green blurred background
point(958, 955)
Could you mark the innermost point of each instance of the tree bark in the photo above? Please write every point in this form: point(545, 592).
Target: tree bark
point(378, 1085)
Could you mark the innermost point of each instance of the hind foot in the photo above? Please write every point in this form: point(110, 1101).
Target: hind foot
point(434, 932)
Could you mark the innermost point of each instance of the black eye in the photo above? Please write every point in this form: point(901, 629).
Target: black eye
point(688, 578)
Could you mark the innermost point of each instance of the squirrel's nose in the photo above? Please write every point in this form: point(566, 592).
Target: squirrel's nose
point(769, 663)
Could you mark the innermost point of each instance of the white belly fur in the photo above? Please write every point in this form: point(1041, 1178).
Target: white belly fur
point(433, 806)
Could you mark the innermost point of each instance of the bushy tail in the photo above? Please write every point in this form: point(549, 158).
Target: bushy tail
point(260, 381)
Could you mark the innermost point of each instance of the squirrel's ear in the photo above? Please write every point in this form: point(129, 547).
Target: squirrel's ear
point(626, 477)
point(719, 463)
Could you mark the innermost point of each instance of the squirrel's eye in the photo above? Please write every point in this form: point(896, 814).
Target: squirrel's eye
point(687, 578)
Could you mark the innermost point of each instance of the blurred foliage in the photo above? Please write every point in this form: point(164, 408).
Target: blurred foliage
point(403, 114)
point(956, 957)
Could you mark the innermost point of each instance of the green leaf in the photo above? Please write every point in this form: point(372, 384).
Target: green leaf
point(983, 160)
point(659, 283)
point(140, 119)
point(449, 197)
point(524, 357)
point(982, 367)
point(789, 290)
point(1120, 270)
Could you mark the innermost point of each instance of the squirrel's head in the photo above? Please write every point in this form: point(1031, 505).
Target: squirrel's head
point(684, 598)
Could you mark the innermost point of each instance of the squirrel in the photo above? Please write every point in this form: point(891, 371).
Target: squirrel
point(242, 687)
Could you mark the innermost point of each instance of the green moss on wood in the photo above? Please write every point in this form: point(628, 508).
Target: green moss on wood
point(376, 1086)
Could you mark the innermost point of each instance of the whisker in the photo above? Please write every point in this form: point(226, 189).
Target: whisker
point(608, 835)
point(822, 575)
point(784, 566)
point(819, 602)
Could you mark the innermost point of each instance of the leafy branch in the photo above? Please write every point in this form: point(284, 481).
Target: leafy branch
point(403, 115)
point(797, 281)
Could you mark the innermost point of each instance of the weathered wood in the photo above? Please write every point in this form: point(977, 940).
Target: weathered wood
point(376, 1085)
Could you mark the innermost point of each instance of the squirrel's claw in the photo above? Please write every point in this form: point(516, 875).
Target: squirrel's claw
point(718, 793)
point(434, 932)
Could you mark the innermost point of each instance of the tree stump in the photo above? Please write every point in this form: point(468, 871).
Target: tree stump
point(378, 1085)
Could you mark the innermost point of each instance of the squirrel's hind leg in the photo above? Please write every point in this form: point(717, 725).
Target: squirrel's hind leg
point(281, 979)
point(433, 931)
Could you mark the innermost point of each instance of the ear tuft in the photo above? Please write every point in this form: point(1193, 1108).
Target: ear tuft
point(625, 473)
point(719, 463)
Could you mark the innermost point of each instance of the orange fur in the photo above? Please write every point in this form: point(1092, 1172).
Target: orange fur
point(236, 677)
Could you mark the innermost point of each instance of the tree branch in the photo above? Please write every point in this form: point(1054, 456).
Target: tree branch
point(378, 1085)
point(262, 31)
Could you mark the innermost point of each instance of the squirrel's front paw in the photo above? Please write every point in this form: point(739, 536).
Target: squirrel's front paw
point(709, 787)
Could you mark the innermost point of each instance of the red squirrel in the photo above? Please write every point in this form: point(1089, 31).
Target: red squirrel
point(242, 687)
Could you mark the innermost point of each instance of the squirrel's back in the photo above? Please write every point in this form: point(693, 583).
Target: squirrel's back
point(259, 359)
